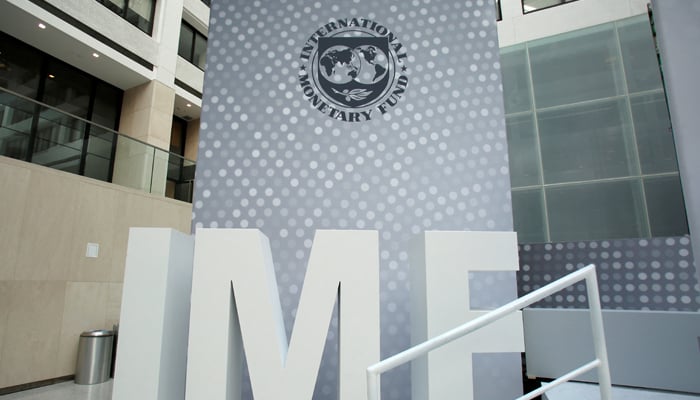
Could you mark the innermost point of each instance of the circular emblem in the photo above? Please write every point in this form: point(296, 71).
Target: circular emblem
point(353, 69)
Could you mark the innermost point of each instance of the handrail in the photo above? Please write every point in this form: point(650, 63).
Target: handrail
point(601, 362)
point(49, 136)
point(86, 121)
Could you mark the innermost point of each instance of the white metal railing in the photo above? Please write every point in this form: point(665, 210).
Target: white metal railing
point(601, 362)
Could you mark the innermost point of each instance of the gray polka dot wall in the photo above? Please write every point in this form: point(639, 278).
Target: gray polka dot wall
point(438, 160)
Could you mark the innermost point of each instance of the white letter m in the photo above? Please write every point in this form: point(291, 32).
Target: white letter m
point(236, 307)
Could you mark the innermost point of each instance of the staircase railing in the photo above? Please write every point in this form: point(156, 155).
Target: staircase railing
point(42, 134)
point(601, 362)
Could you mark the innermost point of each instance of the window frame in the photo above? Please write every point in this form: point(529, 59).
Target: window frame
point(562, 2)
point(191, 48)
point(125, 13)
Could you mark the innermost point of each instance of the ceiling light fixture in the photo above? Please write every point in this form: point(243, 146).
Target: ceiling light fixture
point(41, 25)
point(52, 76)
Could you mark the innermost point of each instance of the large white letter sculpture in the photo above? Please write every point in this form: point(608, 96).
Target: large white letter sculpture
point(235, 298)
point(440, 302)
point(152, 356)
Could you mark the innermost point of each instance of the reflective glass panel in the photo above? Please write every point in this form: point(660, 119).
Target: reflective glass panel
point(16, 116)
point(115, 5)
point(528, 216)
point(68, 89)
point(516, 80)
point(199, 56)
point(19, 66)
point(596, 210)
point(657, 151)
point(59, 141)
point(184, 49)
point(140, 14)
point(99, 153)
point(522, 151)
point(106, 106)
point(577, 66)
point(585, 142)
point(639, 54)
point(665, 205)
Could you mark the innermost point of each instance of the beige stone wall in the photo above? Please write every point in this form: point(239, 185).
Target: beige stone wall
point(147, 113)
point(49, 291)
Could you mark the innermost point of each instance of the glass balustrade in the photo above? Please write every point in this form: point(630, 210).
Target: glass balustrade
point(44, 135)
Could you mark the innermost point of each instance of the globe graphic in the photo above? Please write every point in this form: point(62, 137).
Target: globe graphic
point(340, 64)
point(373, 64)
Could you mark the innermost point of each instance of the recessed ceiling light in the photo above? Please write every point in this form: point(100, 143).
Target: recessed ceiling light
point(95, 55)
point(52, 76)
point(189, 105)
point(41, 25)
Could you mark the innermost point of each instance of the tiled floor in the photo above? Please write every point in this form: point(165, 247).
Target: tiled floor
point(65, 391)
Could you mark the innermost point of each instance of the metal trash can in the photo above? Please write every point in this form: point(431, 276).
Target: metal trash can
point(94, 357)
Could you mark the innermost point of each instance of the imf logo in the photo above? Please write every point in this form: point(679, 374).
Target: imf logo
point(351, 68)
point(353, 72)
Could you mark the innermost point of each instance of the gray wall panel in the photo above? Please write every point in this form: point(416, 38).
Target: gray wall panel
point(678, 34)
point(645, 348)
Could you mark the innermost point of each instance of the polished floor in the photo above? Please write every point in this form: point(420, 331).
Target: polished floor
point(569, 391)
point(65, 391)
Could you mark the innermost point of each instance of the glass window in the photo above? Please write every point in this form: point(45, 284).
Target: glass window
point(140, 14)
point(596, 210)
point(590, 141)
point(184, 49)
point(192, 46)
point(199, 56)
point(516, 80)
point(99, 154)
point(106, 106)
point(575, 67)
point(639, 55)
point(593, 156)
point(528, 216)
point(522, 151)
point(59, 141)
point(53, 136)
point(178, 136)
point(67, 88)
point(666, 207)
point(118, 6)
point(137, 12)
point(16, 117)
point(534, 5)
point(19, 66)
point(657, 151)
